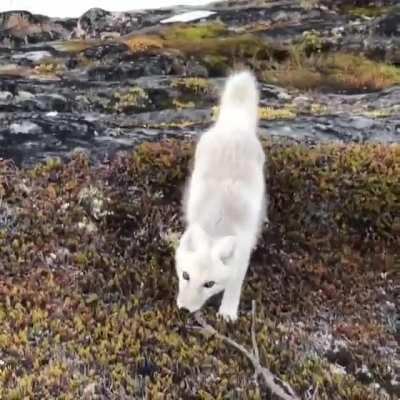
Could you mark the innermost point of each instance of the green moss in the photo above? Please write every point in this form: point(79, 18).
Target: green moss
point(217, 64)
point(370, 10)
point(312, 43)
point(240, 46)
point(195, 33)
point(74, 46)
point(216, 43)
point(212, 44)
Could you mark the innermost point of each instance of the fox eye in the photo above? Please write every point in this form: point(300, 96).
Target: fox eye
point(185, 276)
point(209, 284)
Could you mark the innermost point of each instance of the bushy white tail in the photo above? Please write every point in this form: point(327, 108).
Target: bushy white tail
point(238, 109)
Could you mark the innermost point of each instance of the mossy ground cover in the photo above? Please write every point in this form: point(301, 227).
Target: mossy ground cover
point(87, 288)
point(365, 11)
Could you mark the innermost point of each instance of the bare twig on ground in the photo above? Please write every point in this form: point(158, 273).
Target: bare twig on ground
point(253, 331)
point(254, 338)
point(277, 387)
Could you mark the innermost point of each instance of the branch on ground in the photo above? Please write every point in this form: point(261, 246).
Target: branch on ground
point(276, 385)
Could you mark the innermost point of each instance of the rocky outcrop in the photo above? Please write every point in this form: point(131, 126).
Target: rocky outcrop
point(107, 81)
point(21, 27)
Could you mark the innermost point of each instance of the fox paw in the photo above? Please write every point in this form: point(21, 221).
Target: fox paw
point(228, 315)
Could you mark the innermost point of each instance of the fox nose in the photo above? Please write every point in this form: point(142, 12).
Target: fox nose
point(182, 307)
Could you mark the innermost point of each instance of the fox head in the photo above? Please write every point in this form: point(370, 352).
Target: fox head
point(203, 265)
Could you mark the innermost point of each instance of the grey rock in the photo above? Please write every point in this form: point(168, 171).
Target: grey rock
point(34, 56)
point(360, 123)
point(31, 29)
point(274, 92)
point(98, 23)
point(8, 216)
point(25, 128)
point(52, 102)
point(389, 25)
point(194, 68)
point(24, 96)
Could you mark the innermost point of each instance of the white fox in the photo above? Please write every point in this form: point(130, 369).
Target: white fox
point(224, 203)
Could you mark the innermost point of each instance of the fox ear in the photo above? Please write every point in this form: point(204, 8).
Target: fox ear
point(225, 248)
point(194, 238)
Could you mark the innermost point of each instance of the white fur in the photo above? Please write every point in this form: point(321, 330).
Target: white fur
point(224, 202)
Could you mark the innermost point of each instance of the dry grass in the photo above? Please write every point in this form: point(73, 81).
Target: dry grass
point(336, 71)
point(17, 21)
point(74, 46)
point(143, 43)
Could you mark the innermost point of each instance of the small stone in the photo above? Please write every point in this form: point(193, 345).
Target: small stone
point(5, 96)
point(364, 375)
point(340, 356)
point(89, 391)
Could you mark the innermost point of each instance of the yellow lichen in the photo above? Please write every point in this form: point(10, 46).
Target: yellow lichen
point(318, 109)
point(49, 68)
point(267, 113)
point(270, 113)
point(382, 113)
point(134, 97)
point(182, 105)
point(195, 85)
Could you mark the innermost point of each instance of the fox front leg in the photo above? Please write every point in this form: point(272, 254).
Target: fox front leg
point(228, 309)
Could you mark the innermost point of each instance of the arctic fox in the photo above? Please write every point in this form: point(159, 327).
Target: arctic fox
point(224, 202)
